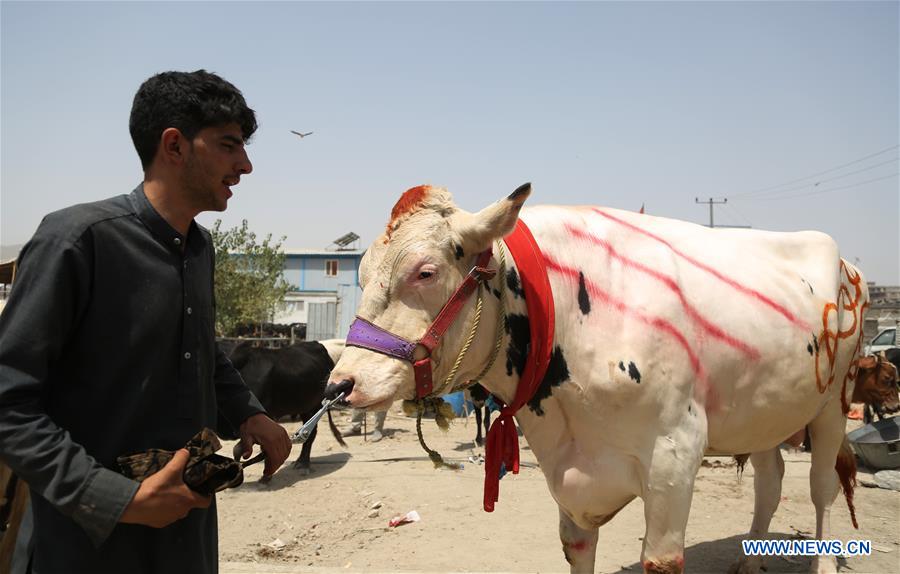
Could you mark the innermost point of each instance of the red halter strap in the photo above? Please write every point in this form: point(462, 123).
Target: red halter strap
point(438, 328)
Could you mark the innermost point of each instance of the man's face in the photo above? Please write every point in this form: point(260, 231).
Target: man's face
point(214, 164)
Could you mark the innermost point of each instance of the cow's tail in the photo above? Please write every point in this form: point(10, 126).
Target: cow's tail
point(845, 465)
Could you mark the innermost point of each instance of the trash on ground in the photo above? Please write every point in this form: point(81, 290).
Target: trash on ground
point(411, 516)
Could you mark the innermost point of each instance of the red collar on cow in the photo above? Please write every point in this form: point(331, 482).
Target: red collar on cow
point(502, 444)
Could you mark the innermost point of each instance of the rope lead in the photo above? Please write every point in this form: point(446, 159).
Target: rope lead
point(443, 415)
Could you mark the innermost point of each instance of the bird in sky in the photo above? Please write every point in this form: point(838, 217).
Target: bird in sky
point(302, 135)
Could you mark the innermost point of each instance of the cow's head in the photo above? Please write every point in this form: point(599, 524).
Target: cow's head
point(407, 275)
point(876, 383)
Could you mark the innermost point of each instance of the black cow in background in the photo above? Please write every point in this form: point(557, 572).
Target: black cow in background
point(289, 381)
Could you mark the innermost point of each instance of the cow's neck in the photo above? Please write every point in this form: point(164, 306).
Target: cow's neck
point(503, 376)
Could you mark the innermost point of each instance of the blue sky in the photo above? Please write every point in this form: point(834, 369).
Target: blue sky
point(606, 103)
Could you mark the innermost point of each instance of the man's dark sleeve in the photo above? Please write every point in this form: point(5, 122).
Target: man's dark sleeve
point(51, 290)
point(234, 400)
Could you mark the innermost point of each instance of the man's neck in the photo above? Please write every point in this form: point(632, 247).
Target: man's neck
point(169, 205)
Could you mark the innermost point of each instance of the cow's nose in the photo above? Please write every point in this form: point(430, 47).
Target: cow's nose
point(334, 389)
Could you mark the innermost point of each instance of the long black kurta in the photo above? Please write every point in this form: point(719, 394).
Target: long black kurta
point(107, 348)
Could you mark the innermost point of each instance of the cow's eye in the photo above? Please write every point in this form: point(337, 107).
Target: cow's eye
point(425, 274)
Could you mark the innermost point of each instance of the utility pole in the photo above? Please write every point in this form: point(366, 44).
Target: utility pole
point(711, 202)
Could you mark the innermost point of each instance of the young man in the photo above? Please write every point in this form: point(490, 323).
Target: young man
point(107, 348)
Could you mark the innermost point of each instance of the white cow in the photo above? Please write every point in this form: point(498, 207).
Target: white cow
point(671, 340)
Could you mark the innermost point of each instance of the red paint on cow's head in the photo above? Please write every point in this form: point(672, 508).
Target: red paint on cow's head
point(410, 200)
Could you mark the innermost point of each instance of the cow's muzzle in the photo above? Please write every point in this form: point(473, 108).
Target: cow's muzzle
point(334, 389)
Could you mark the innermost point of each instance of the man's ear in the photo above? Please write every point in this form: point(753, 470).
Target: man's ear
point(172, 146)
point(477, 231)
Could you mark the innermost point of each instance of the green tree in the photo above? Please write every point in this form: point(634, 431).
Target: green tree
point(249, 277)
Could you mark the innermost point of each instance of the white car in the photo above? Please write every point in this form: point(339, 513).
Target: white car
point(884, 340)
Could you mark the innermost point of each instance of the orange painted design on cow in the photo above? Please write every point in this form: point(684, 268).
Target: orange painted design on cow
point(410, 200)
point(829, 338)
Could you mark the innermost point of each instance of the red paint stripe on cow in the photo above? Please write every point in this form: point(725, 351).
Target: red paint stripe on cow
point(658, 322)
point(727, 280)
point(713, 330)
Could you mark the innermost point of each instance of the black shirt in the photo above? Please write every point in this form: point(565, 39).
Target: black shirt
point(107, 348)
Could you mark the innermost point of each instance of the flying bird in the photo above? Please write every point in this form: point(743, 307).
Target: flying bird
point(301, 134)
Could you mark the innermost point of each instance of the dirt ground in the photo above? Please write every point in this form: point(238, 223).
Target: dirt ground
point(336, 519)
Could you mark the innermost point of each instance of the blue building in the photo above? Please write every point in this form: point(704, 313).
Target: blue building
point(325, 291)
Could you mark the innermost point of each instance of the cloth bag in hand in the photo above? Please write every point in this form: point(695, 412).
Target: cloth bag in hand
point(206, 472)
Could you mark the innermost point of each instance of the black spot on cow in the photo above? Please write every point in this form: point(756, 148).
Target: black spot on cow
point(496, 292)
point(557, 374)
point(512, 281)
point(584, 302)
point(522, 189)
point(815, 343)
point(621, 366)
point(809, 348)
point(634, 373)
point(519, 341)
point(459, 252)
point(689, 410)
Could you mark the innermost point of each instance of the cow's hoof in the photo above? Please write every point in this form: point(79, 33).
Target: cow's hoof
point(376, 436)
point(823, 565)
point(479, 442)
point(265, 479)
point(352, 431)
point(747, 565)
point(301, 468)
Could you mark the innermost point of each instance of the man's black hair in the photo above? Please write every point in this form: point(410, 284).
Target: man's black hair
point(189, 101)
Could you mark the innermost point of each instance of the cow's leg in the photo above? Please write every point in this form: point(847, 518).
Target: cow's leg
point(868, 417)
point(487, 418)
point(579, 545)
point(827, 431)
point(302, 462)
point(768, 471)
point(668, 491)
point(479, 439)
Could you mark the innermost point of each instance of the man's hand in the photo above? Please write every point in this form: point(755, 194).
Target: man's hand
point(271, 436)
point(163, 497)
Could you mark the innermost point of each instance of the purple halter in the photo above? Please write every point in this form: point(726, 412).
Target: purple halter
point(369, 336)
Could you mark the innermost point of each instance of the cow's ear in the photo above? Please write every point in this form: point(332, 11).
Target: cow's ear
point(494, 221)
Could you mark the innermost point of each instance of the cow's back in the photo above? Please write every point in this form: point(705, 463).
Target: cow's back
point(653, 313)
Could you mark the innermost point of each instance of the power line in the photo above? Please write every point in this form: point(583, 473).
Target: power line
point(793, 181)
point(819, 191)
point(771, 194)
point(821, 181)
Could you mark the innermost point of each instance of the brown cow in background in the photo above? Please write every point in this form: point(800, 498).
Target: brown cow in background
point(876, 386)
